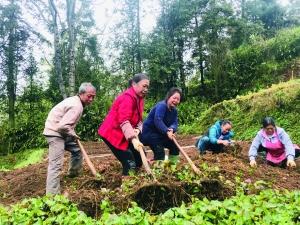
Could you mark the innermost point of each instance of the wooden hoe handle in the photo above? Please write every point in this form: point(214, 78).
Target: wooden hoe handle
point(145, 162)
point(196, 170)
point(87, 159)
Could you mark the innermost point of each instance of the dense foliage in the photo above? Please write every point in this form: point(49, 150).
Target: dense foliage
point(213, 50)
point(282, 101)
point(262, 63)
point(268, 207)
point(45, 210)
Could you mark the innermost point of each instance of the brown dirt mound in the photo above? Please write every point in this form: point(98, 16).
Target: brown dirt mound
point(220, 172)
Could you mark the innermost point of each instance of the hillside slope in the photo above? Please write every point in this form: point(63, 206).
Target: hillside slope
point(281, 101)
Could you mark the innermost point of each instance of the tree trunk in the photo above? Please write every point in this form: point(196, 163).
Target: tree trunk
point(139, 58)
point(57, 50)
point(11, 73)
point(71, 31)
point(180, 43)
point(12, 68)
point(243, 14)
point(200, 55)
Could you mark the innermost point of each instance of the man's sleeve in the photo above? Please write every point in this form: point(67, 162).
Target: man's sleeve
point(67, 123)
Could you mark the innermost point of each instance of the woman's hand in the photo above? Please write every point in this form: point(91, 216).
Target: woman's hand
point(137, 144)
point(253, 163)
point(224, 142)
point(170, 134)
point(291, 163)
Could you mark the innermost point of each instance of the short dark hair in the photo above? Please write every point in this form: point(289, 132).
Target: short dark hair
point(268, 121)
point(137, 78)
point(225, 121)
point(172, 91)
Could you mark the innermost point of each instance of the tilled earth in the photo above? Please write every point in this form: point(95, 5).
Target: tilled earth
point(87, 191)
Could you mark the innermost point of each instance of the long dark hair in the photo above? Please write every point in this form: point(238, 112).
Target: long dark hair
point(172, 91)
point(268, 121)
point(137, 78)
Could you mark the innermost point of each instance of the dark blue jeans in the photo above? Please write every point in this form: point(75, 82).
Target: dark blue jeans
point(204, 144)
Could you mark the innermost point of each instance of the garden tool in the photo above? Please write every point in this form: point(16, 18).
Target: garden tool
point(87, 159)
point(145, 161)
point(196, 170)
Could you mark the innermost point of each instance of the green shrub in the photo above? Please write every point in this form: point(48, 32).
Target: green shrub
point(262, 63)
point(45, 210)
point(282, 101)
point(268, 207)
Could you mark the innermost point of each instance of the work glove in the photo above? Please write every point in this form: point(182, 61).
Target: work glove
point(291, 163)
point(253, 163)
point(137, 144)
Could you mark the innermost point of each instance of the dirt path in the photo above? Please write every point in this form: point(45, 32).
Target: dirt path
point(30, 181)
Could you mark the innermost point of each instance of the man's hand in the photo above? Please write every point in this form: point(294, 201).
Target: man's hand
point(253, 163)
point(76, 137)
point(137, 144)
point(291, 163)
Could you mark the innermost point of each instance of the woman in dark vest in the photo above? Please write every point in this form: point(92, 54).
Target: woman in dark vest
point(160, 126)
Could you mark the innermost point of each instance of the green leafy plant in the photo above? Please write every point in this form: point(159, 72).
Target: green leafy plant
point(46, 210)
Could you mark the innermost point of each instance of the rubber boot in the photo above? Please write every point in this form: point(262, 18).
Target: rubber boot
point(174, 159)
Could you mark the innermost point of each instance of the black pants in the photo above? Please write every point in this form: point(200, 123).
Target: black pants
point(159, 149)
point(130, 159)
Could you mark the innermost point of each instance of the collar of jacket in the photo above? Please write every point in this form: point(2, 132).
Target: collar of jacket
point(132, 93)
point(80, 101)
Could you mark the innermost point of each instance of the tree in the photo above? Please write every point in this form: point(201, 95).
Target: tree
point(67, 32)
point(57, 48)
point(13, 35)
point(71, 31)
point(293, 12)
point(267, 12)
point(31, 71)
point(169, 45)
point(128, 38)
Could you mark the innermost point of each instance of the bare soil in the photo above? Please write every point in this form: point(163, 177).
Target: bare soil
point(88, 191)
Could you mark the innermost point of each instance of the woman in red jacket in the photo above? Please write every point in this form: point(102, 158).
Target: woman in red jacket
point(123, 123)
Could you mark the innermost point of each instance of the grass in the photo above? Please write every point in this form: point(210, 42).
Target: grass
point(21, 159)
point(281, 101)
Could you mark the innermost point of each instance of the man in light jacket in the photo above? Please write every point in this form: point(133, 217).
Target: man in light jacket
point(60, 134)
